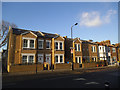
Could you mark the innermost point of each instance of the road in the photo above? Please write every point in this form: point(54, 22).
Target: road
point(85, 80)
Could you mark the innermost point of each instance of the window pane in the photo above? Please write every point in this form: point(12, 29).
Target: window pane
point(79, 59)
point(31, 59)
point(94, 49)
point(47, 44)
point(25, 42)
point(56, 59)
point(76, 59)
point(76, 47)
point(32, 43)
point(56, 45)
point(24, 59)
point(40, 59)
point(40, 44)
point(60, 46)
point(61, 59)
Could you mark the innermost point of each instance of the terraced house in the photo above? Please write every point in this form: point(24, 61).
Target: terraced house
point(31, 50)
point(90, 51)
point(107, 52)
point(73, 51)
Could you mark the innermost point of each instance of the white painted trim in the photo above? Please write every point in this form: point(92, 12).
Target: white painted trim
point(49, 44)
point(33, 34)
point(42, 58)
point(42, 43)
point(77, 47)
point(59, 45)
point(28, 43)
point(59, 58)
point(41, 33)
point(29, 32)
point(28, 54)
point(78, 59)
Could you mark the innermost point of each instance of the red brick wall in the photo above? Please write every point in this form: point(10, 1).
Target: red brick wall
point(26, 68)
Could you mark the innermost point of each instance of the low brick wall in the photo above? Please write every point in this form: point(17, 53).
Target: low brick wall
point(88, 65)
point(62, 66)
point(26, 68)
point(77, 66)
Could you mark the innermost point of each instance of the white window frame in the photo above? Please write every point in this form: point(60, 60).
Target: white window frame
point(78, 59)
point(59, 45)
point(42, 43)
point(42, 58)
point(48, 55)
point(94, 48)
point(29, 54)
point(59, 58)
point(49, 44)
point(94, 58)
point(77, 46)
point(28, 42)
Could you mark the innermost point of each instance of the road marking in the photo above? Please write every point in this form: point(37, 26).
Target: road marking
point(92, 83)
point(80, 79)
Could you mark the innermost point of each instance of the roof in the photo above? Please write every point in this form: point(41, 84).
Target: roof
point(18, 31)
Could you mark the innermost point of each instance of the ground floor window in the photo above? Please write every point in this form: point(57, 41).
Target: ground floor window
point(48, 58)
point(86, 59)
point(114, 60)
point(78, 59)
point(59, 58)
point(28, 58)
point(40, 58)
point(94, 59)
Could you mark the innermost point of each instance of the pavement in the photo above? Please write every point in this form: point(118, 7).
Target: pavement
point(87, 78)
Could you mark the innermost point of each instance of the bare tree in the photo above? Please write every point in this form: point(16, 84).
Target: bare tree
point(4, 28)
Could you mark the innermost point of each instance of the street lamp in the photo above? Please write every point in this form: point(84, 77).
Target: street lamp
point(72, 47)
point(71, 29)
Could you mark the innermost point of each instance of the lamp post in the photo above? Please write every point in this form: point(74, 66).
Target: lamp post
point(72, 47)
point(71, 29)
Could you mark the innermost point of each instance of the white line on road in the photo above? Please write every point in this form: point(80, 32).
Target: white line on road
point(92, 83)
point(80, 79)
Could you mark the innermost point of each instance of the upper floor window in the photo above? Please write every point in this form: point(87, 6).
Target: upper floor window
point(25, 43)
point(77, 47)
point(28, 42)
point(48, 43)
point(40, 43)
point(113, 49)
point(93, 49)
point(31, 43)
point(58, 45)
